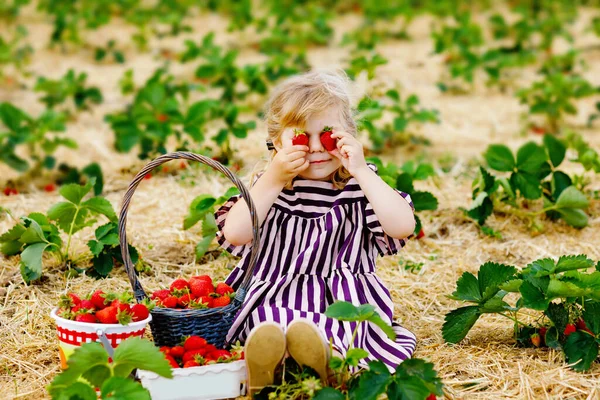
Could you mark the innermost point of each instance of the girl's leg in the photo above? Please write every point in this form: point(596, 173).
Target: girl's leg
point(306, 345)
point(263, 352)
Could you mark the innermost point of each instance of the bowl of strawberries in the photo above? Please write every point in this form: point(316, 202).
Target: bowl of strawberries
point(79, 319)
point(200, 371)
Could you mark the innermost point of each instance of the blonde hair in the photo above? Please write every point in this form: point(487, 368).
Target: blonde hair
point(298, 98)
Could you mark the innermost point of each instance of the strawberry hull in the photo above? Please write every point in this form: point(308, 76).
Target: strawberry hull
point(72, 334)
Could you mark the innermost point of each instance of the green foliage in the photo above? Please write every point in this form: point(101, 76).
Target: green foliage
point(365, 61)
point(10, 9)
point(40, 137)
point(534, 175)
point(202, 210)
point(37, 233)
point(69, 86)
point(101, 53)
point(404, 113)
point(586, 155)
point(89, 368)
point(402, 178)
point(561, 290)
point(13, 50)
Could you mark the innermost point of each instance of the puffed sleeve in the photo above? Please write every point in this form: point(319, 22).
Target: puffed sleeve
point(221, 216)
point(385, 244)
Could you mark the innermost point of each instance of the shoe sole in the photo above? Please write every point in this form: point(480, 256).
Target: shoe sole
point(306, 345)
point(263, 352)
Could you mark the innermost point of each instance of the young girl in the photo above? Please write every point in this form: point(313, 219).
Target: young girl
point(324, 217)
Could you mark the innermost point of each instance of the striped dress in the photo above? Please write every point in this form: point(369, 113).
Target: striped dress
point(318, 244)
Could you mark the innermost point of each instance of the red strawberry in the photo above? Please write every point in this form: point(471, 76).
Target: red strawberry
point(69, 300)
point(209, 348)
point(536, 340)
point(582, 326)
point(201, 278)
point(139, 312)
point(182, 165)
point(220, 301)
point(328, 142)
point(300, 138)
point(538, 129)
point(51, 187)
point(207, 301)
point(99, 299)
point(219, 355)
point(194, 343)
point(162, 118)
point(107, 315)
point(431, 397)
point(10, 191)
point(179, 284)
point(420, 234)
point(148, 176)
point(120, 305)
point(191, 354)
point(160, 294)
point(86, 305)
point(170, 302)
point(223, 288)
point(177, 351)
point(543, 331)
point(201, 288)
point(570, 328)
point(85, 318)
point(190, 364)
point(172, 361)
point(184, 301)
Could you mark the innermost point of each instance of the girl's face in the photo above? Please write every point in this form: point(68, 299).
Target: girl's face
point(322, 163)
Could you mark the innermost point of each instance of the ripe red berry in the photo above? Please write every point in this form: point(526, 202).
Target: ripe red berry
point(300, 138)
point(328, 142)
point(99, 299)
point(190, 364)
point(172, 361)
point(108, 315)
point(536, 340)
point(223, 288)
point(220, 301)
point(162, 117)
point(570, 328)
point(160, 294)
point(170, 302)
point(10, 191)
point(51, 187)
point(194, 343)
point(86, 304)
point(201, 288)
point(177, 351)
point(420, 234)
point(179, 284)
point(139, 312)
point(148, 176)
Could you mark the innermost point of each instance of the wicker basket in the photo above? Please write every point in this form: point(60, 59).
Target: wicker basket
point(170, 325)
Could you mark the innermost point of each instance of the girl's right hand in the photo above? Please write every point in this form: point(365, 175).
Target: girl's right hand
point(289, 162)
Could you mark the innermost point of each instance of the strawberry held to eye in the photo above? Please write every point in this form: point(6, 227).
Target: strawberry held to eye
point(300, 138)
point(328, 142)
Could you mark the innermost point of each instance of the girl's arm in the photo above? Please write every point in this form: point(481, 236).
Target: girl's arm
point(393, 212)
point(287, 163)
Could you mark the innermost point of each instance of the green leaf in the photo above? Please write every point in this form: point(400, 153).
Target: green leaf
point(530, 158)
point(424, 201)
point(418, 368)
point(482, 208)
point(83, 359)
point(494, 305)
point(541, 267)
point(591, 316)
point(136, 352)
point(385, 327)
point(527, 184)
point(572, 198)
point(118, 388)
point(33, 233)
point(343, 311)
point(31, 261)
point(354, 355)
point(581, 348)
point(13, 233)
point(560, 181)
point(533, 297)
point(100, 205)
point(574, 217)
point(372, 383)
point(336, 363)
point(97, 375)
point(67, 214)
point(203, 245)
point(500, 158)
point(491, 275)
point(329, 393)
point(568, 263)
point(556, 150)
point(75, 193)
point(552, 338)
point(76, 391)
point(467, 288)
point(512, 285)
point(557, 289)
point(458, 323)
point(404, 183)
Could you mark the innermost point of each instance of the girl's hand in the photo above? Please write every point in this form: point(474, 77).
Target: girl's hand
point(349, 151)
point(289, 162)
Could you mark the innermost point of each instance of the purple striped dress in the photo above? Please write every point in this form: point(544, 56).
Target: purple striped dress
point(318, 245)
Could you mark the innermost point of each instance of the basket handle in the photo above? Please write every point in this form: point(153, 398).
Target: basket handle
point(136, 285)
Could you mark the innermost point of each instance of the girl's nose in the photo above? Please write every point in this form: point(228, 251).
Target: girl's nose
point(314, 144)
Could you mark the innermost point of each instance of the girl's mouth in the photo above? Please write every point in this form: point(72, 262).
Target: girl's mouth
point(319, 162)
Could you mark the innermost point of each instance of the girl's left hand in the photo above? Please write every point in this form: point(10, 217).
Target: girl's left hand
point(349, 151)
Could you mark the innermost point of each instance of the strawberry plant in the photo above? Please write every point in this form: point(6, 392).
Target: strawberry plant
point(40, 137)
point(404, 112)
point(37, 233)
point(565, 291)
point(586, 155)
point(89, 367)
point(110, 49)
point(554, 96)
point(14, 51)
point(68, 174)
point(412, 379)
point(202, 210)
point(69, 86)
point(10, 9)
point(364, 61)
point(535, 186)
point(402, 178)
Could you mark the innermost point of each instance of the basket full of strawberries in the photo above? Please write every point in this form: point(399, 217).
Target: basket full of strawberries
point(200, 308)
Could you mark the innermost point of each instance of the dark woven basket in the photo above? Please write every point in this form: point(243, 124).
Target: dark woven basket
point(170, 325)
